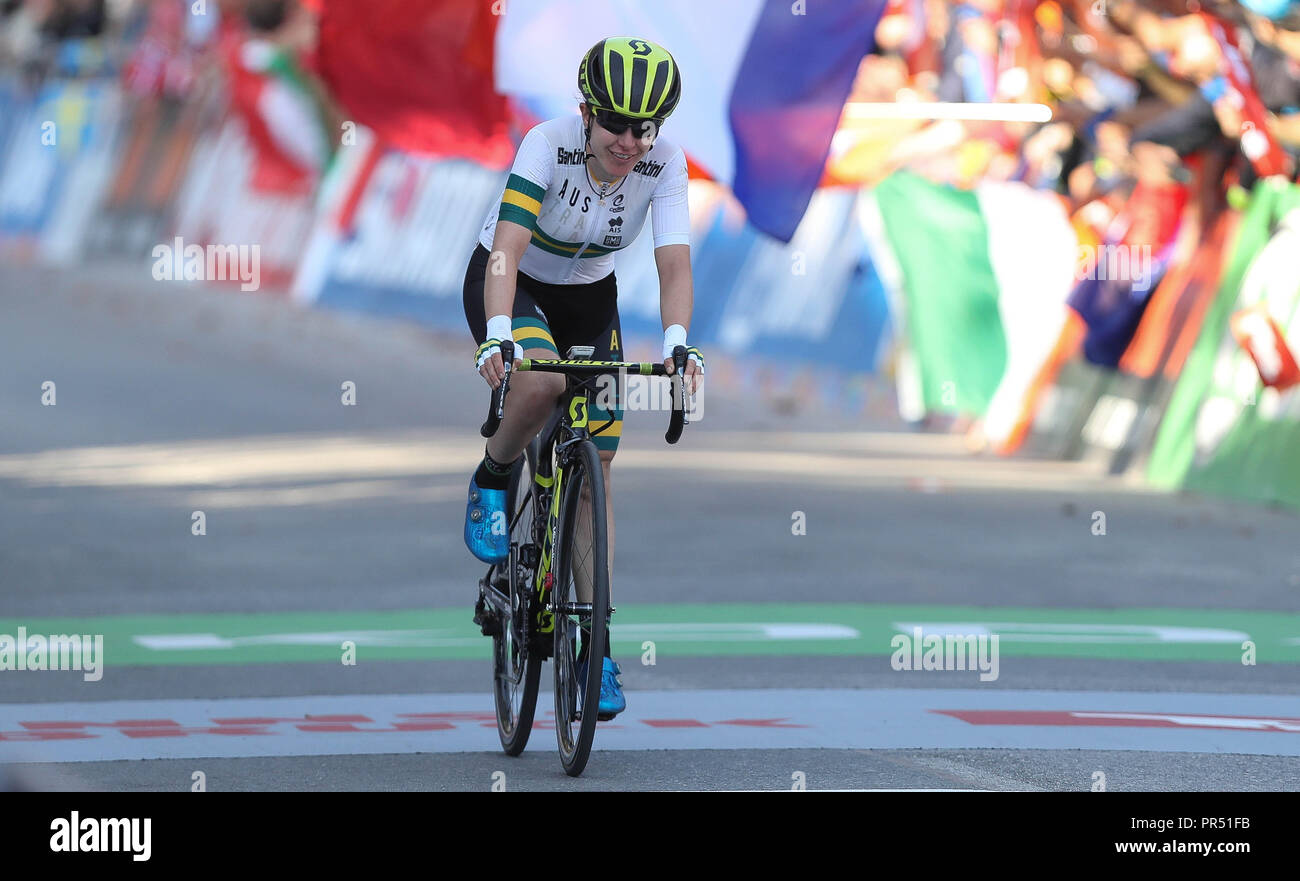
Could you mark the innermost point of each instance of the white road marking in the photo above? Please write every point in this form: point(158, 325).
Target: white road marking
point(1130, 634)
point(668, 632)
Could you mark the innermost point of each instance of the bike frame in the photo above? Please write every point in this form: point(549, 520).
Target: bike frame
point(567, 427)
point(537, 551)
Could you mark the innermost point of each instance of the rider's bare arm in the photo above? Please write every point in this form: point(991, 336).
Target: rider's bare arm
point(677, 295)
point(508, 245)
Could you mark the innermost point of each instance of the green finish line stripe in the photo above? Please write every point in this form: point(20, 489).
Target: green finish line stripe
point(755, 629)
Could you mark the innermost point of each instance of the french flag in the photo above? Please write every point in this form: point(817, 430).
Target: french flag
point(763, 81)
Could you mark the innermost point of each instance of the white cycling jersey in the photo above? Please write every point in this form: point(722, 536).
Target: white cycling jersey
point(577, 223)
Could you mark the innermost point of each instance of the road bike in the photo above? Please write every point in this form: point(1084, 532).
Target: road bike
point(555, 508)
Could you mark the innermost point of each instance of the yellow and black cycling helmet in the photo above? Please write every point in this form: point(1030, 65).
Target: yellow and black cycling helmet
point(633, 78)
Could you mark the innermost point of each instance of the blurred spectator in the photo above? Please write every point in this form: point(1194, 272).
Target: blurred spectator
point(282, 104)
point(21, 38)
point(71, 19)
point(1160, 108)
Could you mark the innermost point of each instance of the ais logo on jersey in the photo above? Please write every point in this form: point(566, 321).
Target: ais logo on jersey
point(648, 168)
point(613, 240)
point(570, 157)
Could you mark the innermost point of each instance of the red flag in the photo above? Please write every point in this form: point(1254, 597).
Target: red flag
point(419, 72)
point(1257, 142)
point(1257, 333)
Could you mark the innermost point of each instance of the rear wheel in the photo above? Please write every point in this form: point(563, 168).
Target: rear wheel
point(582, 556)
point(516, 671)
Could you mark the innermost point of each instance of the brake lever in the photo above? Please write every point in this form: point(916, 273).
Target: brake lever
point(677, 421)
point(497, 406)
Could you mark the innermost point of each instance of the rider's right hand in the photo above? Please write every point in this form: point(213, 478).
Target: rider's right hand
point(488, 357)
point(491, 366)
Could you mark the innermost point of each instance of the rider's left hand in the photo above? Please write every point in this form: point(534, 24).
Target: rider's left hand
point(694, 370)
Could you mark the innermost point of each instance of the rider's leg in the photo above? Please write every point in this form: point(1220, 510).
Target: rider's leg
point(532, 395)
point(529, 402)
point(606, 428)
point(582, 568)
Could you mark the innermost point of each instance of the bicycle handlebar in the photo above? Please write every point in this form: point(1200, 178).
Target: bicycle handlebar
point(497, 406)
point(676, 422)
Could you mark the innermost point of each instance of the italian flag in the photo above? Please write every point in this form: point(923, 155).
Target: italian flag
point(979, 281)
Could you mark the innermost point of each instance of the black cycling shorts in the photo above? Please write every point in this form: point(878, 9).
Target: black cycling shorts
point(555, 317)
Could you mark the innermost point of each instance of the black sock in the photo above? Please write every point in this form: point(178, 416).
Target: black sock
point(491, 474)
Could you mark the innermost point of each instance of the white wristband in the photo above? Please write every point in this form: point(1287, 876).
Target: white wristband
point(498, 328)
point(674, 335)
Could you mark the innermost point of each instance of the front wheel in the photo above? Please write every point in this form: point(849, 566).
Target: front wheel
point(581, 560)
point(516, 671)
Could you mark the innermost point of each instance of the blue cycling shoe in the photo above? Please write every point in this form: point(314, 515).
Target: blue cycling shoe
point(487, 508)
point(612, 701)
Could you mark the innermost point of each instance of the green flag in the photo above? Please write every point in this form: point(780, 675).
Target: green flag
point(1223, 432)
point(940, 239)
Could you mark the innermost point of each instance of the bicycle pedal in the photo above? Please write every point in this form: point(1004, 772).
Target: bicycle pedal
point(489, 624)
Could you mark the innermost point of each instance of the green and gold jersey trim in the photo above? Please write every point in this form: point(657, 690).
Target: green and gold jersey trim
point(566, 249)
point(521, 202)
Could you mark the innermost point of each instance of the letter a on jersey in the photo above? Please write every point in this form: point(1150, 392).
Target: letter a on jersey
point(613, 340)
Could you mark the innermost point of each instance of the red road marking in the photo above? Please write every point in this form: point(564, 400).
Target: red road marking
point(261, 726)
point(467, 716)
point(125, 723)
point(1123, 719)
point(33, 736)
point(762, 723)
point(270, 720)
point(423, 726)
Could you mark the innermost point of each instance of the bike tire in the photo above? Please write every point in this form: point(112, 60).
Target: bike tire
point(575, 735)
point(516, 671)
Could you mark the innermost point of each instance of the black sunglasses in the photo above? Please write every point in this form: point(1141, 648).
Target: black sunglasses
point(616, 124)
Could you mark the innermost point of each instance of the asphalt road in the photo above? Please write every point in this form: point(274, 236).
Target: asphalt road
point(771, 642)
